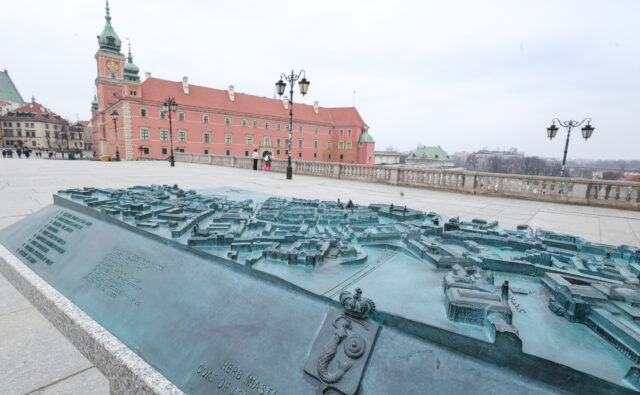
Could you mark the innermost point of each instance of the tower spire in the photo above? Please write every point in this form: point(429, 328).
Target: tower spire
point(107, 16)
point(130, 69)
point(108, 40)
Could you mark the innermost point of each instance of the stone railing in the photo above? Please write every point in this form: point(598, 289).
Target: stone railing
point(616, 194)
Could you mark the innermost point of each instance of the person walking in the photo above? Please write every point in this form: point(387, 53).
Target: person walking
point(267, 162)
point(255, 157)
point(19, 152)
point(4, 153)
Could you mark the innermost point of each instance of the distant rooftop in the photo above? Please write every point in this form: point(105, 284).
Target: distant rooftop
point(8, 91)
point(432, 153)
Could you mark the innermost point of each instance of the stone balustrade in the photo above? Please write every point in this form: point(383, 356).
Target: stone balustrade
point(615, 194)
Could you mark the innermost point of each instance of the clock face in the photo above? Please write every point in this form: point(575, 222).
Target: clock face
point(112, 66)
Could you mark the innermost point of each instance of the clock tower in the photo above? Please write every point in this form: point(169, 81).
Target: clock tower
point(109, 86)
point(110, 64)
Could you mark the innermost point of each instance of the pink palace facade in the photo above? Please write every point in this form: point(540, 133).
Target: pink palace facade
point(212, 121)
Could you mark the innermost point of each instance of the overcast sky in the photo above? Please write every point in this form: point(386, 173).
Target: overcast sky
point(460, 74)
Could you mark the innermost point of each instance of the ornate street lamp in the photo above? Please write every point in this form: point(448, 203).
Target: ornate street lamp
point(115, 116)
point(587, 131)
point(170, 106)
point(280, 87)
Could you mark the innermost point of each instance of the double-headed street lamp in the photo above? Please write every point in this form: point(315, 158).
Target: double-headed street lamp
point(115, 116)
point(170, 106)
point(280, 87)
point(587, 131)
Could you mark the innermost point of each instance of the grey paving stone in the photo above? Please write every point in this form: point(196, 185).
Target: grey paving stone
point(90, 381)
point(33, 353)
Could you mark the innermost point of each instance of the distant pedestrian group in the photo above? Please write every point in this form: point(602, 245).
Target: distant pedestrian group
point(8, 152)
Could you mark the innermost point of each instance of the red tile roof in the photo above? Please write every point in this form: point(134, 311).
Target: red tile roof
point(38, 111)
point(2, 102)
point(156, 90)
point(84, 123)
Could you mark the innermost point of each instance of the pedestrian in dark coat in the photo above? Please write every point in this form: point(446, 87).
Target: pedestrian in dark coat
point(255, 157)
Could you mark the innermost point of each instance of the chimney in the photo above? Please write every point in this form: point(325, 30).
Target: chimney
point(315, 107)
point(285, 102)
point(147, 75)
point(185, 85)
point(232, 93)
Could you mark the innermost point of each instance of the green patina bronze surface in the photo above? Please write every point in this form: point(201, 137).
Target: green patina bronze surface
point(229, 288)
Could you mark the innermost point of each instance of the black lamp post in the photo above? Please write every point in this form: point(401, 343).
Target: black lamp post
point(141, 149)
point(587, 131)
point(114, 116)
point(170, 106)
point(280, 87)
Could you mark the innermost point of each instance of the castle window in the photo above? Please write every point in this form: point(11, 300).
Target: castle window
point(278, 126)
point(164, 135)
point(205, 119)
point(163, 115)
point(315, 144)
point(278, 141)
point(349, 132)
point(255, 124)
point(341, 132)
point(328, 144)
point(206, 151)
point(267, 140)
point(315, 154)
point(299, 143)
point(144, 134)
point(228, 152)
point(266, 125)
point(182, 135)
point(180, 116)
point(164, 150)
point(330, 132)
point(227, 139)
point(206, 137)
point(299, 154)
point(300, 128)
point(249, 140)
point(348, 144)
point(227, 121)
point(315, 130)
point(143, 112)
point(244, 123)
point(340, 144)
point(246, 152)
